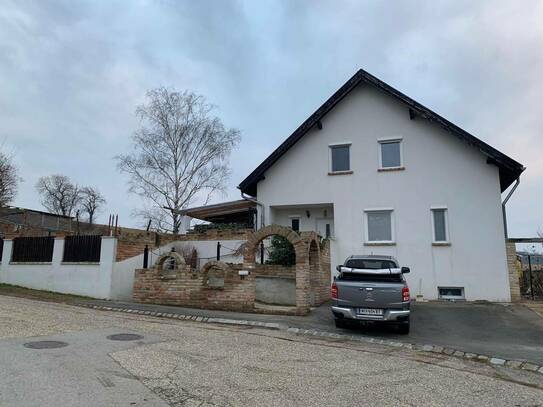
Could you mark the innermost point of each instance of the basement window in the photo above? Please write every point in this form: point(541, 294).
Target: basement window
point(451, 293)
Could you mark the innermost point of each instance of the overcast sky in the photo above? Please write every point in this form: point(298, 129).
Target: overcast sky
point(72, 73)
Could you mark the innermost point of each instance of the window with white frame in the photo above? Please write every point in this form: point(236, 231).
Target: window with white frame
point(340, 159)
point(440, 225)
point(390, 153)
point(379, 226)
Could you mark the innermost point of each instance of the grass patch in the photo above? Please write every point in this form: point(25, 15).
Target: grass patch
point(16, 291)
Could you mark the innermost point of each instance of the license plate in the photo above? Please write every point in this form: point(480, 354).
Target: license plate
point(369, 311)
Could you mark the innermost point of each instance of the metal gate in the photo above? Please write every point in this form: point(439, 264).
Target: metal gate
point(531, 275)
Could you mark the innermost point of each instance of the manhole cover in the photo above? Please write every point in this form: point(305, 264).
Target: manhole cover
point(124, 337)
point(45, 345)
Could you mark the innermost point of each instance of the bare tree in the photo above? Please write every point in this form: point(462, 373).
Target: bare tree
point(58, 194)
point(9, 180)
point(180, 154)
point(91, 201)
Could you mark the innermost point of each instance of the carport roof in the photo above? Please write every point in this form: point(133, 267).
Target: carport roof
point(210, 212)
point(509, 169)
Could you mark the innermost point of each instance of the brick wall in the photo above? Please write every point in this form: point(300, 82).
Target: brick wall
point(514, 284)
point(272, 270)
point(130, 244)
point(187, 288)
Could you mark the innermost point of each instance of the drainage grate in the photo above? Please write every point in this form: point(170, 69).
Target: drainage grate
point(124, 337)
point(45, 345)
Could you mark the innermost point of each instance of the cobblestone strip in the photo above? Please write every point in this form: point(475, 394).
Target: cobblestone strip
point(492, 360)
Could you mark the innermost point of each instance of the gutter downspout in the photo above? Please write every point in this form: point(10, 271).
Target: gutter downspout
point(262, 214)
point(503, 206)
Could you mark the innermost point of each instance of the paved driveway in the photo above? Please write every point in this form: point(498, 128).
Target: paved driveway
point(508, 331)
point(503, 330)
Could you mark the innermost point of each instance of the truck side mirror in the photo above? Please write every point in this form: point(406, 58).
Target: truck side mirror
point(338, 268)
point(406, 270)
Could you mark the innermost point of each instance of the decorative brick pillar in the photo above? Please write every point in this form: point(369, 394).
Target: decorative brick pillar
point(514, 284)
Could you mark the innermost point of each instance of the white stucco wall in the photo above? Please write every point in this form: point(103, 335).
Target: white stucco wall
point(92, 280)
point(439, 170)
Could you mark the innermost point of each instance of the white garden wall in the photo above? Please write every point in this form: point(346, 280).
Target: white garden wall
point(105, 280)
point(90, 279)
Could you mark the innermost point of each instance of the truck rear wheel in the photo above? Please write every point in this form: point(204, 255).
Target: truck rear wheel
point(403, 327)
point(340, 323)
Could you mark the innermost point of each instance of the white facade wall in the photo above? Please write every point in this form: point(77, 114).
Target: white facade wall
point(440, 170)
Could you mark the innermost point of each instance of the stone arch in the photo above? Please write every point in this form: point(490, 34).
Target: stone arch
point(302, 260)
point(169, 256)
point(206, 268)
point(294, 238)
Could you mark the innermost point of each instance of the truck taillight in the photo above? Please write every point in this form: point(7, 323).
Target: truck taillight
point(405, 294)
point(334, 291)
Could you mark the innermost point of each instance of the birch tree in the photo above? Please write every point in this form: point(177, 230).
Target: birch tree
point(180, 155)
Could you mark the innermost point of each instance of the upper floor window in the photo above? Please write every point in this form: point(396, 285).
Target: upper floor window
point(379, 226)
point(440, 225)
point(390, 154)
point(340, 159)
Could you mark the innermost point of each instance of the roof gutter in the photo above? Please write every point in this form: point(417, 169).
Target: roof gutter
point(505, 202)
point(262, 212)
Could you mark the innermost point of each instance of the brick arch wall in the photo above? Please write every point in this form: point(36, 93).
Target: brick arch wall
point(179, 260)
point(303, 285)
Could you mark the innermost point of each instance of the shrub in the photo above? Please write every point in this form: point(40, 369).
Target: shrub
point(281, 252)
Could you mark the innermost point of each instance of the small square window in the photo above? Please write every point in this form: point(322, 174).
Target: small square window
point(379, 226)
point(340, 158)
point(295, 224)
point(439, 221)
point(391, 154)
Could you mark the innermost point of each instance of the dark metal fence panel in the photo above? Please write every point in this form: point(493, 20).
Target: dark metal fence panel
point(78, 249)
point(1, 247)
point(531, 281)
point(32, 249)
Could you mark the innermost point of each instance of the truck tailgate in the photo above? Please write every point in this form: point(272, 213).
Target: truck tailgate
point(369, 294)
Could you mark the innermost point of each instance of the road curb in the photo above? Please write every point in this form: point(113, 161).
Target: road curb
point(488, 359)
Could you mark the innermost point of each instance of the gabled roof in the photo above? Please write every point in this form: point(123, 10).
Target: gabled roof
point(509, 169)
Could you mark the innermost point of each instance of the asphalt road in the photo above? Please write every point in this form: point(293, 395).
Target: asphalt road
point(508, 331)
point(183, 363)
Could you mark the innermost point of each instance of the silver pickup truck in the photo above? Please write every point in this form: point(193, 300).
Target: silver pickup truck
point(371, 288)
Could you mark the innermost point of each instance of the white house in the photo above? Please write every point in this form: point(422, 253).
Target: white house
point(379, 173)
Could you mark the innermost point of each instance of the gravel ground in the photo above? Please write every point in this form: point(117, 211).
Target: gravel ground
point(192, 364)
